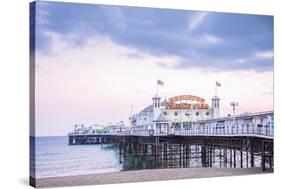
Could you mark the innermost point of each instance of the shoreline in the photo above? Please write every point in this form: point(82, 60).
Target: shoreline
point(143, 176)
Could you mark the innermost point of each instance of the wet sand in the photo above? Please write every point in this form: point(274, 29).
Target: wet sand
point(145, 175)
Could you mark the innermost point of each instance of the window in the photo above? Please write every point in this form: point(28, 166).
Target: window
point(165, 113)
point(187, 114)
point(197, 114)
point(176, 113)
point(207, 113)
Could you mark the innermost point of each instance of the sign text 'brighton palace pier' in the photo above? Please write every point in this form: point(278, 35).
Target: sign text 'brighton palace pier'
point(196, 102)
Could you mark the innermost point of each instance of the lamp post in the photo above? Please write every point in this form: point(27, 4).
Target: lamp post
point(234, 104)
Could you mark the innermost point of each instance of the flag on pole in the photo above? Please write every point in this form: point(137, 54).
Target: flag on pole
point(218, 84)
point(159, 82)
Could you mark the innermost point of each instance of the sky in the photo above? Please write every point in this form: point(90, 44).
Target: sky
point(98, 64)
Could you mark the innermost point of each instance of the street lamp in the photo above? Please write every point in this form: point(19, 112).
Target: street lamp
point(234, 104)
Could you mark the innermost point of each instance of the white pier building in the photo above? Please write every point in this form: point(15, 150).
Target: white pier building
point(188, 114)
point(176, 112)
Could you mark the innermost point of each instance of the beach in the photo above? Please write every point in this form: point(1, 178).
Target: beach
point(145, 175)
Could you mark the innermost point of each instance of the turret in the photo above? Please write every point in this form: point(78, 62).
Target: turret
point(216, 106)
point(156, 102)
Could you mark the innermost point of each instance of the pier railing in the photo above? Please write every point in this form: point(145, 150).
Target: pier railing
point(263, 131)
point(250, 129)
point(229, 130)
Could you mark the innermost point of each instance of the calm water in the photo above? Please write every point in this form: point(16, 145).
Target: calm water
point(54, 157)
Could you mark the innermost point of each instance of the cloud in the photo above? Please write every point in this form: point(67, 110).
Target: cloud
point(170, 62)
point(135, 55)
point(42, 13)
point(262, 58)
point(212, 39)
point(241, 60)
point(58, 43)
point(196, 20)
point(115, 17)
point(216, 44)
point(267, 93)
point(265, 54)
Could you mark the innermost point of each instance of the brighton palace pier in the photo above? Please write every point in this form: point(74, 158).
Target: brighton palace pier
point(178, 112)
point(184, 131)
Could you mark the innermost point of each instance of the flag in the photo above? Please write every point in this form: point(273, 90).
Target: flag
point(159, 82)
point(218, 84)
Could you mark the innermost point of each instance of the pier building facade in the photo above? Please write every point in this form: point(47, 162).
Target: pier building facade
point(176, 112)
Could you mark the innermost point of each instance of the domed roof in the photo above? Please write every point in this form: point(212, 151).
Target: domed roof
point(148, 109)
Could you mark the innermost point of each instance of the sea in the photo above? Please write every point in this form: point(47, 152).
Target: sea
point(54, 157)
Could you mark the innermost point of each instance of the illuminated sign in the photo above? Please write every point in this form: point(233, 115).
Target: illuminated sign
point(195, 102)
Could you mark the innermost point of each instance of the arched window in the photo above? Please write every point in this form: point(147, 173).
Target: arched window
point(176, 113)
point(197, 114)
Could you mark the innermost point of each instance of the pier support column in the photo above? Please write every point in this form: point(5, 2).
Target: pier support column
point(197, 151)
point(210, 156)
point(183, 155)
point(203, 155)
point(247, 158)
point(187, 155)
point(130, 147)
point(135, 148)
point(165, 155)
point(234, 158)
point(180, 154)
point(124, 150)
point(252, 159)
point(220, 156)
point(145, 151)
point(225, 157)
point(241, 158)
point(156, 145)
point(230, 157)
point(120, 152)
point(263, 156)
point(252, 154)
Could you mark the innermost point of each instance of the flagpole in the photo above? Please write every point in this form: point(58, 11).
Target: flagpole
point(216, 89)
point(157, 87)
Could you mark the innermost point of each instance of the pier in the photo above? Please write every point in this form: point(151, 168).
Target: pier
point(218, 143)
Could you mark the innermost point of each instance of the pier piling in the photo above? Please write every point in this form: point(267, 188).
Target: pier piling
point(177, 151)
